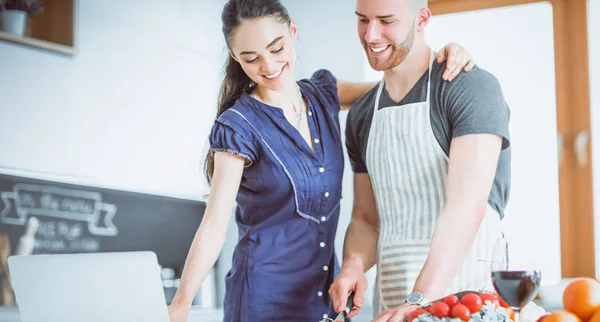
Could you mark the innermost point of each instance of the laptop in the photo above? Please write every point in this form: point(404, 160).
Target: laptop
point(95, 287)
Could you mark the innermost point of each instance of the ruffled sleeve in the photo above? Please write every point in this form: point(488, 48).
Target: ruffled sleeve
point(224, 138)
point(327, 84)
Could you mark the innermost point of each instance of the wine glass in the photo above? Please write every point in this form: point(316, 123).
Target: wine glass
point(517, 288)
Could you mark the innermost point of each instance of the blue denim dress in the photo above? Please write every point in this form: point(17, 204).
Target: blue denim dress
point(288, 206)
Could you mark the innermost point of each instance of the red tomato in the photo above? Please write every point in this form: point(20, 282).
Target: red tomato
point(451, 300)
point(415, 314)
point(460, 311)
point(440, 309)
point(489, 297)
point(472, 301)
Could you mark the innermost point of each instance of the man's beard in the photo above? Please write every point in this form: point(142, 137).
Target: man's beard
point(397, 56)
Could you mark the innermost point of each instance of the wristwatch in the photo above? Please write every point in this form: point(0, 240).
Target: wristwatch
point(416, 298)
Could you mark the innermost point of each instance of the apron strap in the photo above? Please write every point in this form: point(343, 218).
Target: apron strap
point(381, 85)
point(429, 80)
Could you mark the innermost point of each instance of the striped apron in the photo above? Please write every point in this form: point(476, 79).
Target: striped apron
point(409, 170)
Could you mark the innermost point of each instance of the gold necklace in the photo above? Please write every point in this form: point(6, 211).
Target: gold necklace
point(299, 115)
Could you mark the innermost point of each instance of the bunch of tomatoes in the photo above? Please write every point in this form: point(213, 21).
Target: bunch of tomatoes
point(453, 307)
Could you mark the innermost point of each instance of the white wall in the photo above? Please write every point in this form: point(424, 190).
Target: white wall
point(594, 52)
point(130, 110)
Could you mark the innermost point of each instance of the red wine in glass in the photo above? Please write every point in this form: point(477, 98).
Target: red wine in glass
point(517, 288)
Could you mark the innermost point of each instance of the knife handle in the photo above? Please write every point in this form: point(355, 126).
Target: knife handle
point(349, 304)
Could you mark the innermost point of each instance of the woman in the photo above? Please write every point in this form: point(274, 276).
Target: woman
point(277, 152)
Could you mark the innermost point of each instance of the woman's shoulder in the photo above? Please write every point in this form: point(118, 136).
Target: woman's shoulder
point(236, 118)
point(323, 85)
point(323, 76)
point(230, 133)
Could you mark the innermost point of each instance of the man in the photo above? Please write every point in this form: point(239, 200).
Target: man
point(432, 170)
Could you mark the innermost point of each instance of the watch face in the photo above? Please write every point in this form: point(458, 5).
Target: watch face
point(414, 298)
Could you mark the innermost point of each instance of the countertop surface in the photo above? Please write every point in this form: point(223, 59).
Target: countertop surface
point(197, 314)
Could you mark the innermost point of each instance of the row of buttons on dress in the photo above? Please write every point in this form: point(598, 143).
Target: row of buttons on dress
point(322, 244)
point(321, 169)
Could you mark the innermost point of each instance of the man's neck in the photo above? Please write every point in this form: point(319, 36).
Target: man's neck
point(402, 78)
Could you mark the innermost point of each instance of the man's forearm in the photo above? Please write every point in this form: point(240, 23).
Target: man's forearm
point(360, 245)
point(452, 240)
point(471, 170)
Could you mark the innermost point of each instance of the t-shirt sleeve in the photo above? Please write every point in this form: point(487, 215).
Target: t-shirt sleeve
point(327, 83)
point(224, 138)
point(353, 143)
point(476, 105)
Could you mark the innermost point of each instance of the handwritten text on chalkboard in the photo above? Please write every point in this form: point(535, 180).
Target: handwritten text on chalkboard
point(47, 201)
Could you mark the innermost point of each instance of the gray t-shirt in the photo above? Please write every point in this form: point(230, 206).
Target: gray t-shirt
point(473, 103)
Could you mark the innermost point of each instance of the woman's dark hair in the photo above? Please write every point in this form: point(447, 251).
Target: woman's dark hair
point(236, 82)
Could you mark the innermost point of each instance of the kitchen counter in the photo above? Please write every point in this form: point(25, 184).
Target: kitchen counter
point(196, 315)
point(206, 315)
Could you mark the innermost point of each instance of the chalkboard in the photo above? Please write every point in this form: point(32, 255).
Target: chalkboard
point(82, 219)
